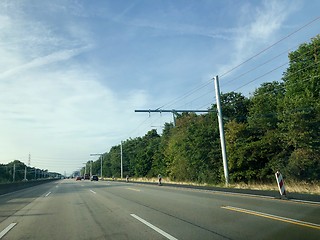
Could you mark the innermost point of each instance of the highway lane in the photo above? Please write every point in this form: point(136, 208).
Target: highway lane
point(68, 209)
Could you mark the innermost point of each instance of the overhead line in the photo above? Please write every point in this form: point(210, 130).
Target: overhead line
point(251, 70)
point(261, 76)
point(273, 71)
point(185, 95)
point(272, 45)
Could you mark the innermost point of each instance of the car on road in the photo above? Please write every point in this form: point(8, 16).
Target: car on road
point(94, 178)
point(78, 178)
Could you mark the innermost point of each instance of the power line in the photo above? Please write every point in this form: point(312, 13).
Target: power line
point(260, 65)
point(245, 73)
point(272, 45)
point(263, 75)
point(185, 95)
point(259, 53)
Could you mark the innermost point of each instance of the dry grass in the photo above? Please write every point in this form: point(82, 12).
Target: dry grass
point(291, 186)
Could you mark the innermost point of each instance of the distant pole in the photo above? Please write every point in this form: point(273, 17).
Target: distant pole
point(35, 173)
point(221, 130)
point(91, 169)
point(121, 160)
point(14, 172)
point(101, 165)
point(25, 173)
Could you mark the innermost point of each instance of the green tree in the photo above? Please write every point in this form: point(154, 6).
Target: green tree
point(146, 152)
point(192, 148)
point(263, 115)
point(300, 108)
point(234, 106)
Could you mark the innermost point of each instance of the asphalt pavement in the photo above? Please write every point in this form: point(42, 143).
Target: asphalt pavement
point(69, 209)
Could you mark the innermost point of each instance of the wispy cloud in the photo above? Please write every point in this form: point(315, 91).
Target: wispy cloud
point(263, 28)
point(42, 61)
point(52, 103)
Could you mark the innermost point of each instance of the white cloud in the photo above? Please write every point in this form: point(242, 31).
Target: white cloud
point(258, 28)
point(50, 104)
point(58, 56)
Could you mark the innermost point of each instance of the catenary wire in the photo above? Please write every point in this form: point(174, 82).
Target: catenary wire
point(272, 45)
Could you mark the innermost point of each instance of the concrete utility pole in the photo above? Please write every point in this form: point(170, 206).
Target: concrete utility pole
point(222, 140)
point(121, 160)
point(221, 130)
point(101, 157)
point(14, 172)
point(25, 173)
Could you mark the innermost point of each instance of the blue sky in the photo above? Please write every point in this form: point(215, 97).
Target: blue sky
point(72, 72)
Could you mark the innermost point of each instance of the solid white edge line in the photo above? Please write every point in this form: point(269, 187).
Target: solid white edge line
point(7, 229)
point(163, 233)
point(241, 194)
point(253, 195)
point(93, 191)
point(304, 201)
point(271, 215)
point(48, 194)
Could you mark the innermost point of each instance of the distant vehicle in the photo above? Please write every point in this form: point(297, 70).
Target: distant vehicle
point(94, 178)
point(78, 178)
point(86, 177)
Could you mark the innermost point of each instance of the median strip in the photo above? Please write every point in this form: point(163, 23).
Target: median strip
point(274, 217)
point(7, 229)
point(163, 233)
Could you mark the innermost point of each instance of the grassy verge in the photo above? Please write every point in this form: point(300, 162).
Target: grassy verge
point(291, 186)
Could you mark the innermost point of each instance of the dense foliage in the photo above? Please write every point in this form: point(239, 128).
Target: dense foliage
point(276, 128)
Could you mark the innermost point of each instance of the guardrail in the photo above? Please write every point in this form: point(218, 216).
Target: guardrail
point(12, 187)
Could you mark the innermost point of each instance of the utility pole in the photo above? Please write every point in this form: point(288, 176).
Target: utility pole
point(121, 160)
point(222, 140)
point(101, 157)
point(25, 173)
point(14, 172)
point(221, 130)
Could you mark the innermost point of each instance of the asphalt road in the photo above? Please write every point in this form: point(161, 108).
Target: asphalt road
point(69, 209)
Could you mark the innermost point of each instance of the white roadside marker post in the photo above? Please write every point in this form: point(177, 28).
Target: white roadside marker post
point(280, 183)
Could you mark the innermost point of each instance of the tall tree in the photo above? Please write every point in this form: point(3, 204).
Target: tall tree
point(300, 109)
point(234, 106)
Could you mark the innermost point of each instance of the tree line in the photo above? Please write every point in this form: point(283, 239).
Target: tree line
point(17, 171)
point(275, 129)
